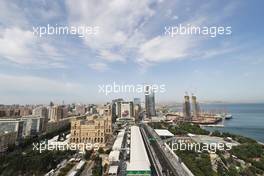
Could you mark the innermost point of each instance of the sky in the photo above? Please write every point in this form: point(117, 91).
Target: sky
point(130, 48)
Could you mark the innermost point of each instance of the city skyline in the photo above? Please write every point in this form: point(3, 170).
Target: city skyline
point(131, 50)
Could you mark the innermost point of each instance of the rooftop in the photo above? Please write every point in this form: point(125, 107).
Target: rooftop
point(138, 156)
point(114, 155)
point(119, 140)
point(113, 169)
point(163, 132)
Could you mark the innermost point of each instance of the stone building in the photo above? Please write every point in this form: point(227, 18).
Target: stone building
point(93, 129)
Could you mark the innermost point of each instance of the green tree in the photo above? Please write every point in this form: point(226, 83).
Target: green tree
point(97, 169)
point(101, 150)
point(88, 154)
point(233, 171)
point(221, 169)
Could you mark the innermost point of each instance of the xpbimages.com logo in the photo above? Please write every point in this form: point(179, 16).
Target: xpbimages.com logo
point(212, 31)
point(200, 147)
point(80, 31)
point(40, 147)
point(131, 88)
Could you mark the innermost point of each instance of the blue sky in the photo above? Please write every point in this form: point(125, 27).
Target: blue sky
point(131, 48)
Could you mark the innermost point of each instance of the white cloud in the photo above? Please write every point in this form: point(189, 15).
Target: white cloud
point(33, 89)
point(14, 45)
point(118, 20)
point(98, 66)
point(110, 56)
point(121, 33)
point(210, 53)
point(175, 17)
point(11, 14)
point(164, 48)
point(35, 84)
point(47, 10)
point(18, 45)
point(22, 47)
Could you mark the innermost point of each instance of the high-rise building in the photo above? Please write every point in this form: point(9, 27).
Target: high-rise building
point(25, 111)
point(105, 110)
point(187, 108)
point(57, 113)
point(65, 111)
point(23, 126)
point(127, 109)
point(15, 110)
point(34, 125)
point(80, 109)
point(116, 109)
point(137, 101)
point(13, 125)
point(40, 111)
point(43, 113)
point(195, 107)
point(137, 109)
point(54, 114)
point(91, 109)
point(122, 109)
point(150, 102)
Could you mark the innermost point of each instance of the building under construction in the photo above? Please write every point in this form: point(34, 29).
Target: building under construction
point(190, 112)
point(187, 108)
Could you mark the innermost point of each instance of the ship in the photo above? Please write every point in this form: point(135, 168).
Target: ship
point(228, 116)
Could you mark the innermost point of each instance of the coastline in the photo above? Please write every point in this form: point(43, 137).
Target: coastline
point(247, 119)
point(261, 143)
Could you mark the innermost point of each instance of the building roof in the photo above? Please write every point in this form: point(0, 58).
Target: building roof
point(119, 140)
point(114, 155)
point(138, 156)
point(80, 164)
point(113, 169)
point(73, 173)
point(163, 132)
point(11, 119)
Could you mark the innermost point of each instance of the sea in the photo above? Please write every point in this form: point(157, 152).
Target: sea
point(248, 119)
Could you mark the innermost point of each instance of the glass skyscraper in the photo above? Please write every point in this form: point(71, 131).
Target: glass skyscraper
point(150, 102)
